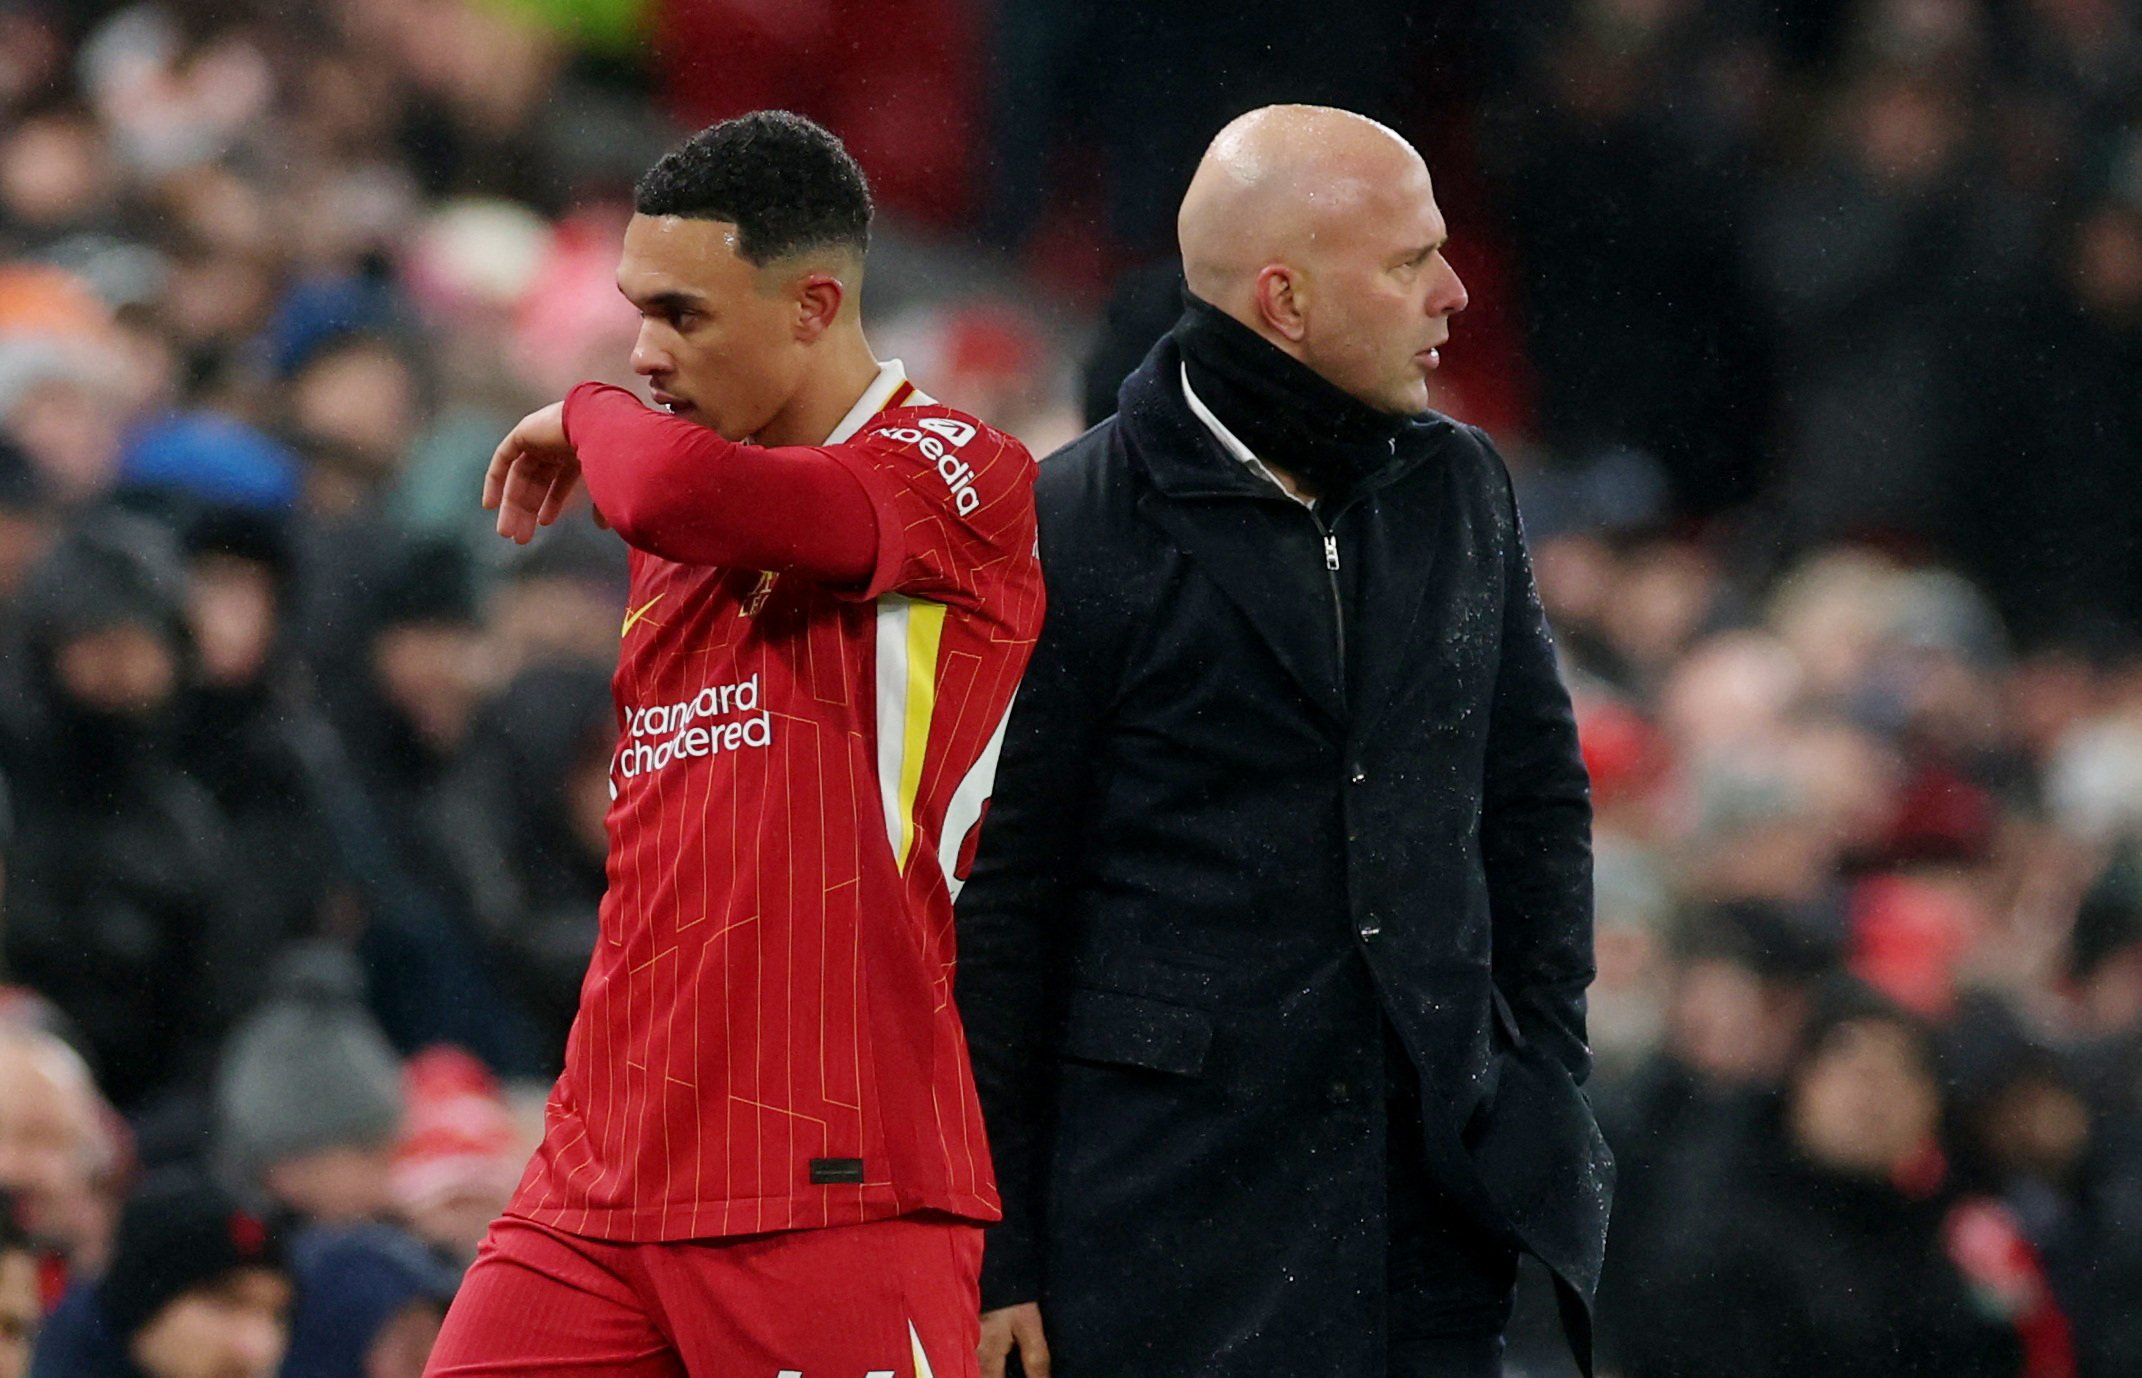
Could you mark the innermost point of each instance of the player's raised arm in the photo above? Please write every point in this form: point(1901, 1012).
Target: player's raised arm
point(681, 491)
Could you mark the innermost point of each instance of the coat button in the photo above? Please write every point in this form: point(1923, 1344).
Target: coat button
point(1359, 777)
point(1370, 930)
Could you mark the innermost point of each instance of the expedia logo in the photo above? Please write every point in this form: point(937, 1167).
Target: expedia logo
point(940, 438)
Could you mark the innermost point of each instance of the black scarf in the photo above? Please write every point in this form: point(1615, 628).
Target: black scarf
point(1290, 417)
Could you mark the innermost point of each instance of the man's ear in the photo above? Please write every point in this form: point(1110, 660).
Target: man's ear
point(1283, 301)
point(818, 301)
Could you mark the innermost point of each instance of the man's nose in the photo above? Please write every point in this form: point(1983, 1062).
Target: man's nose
point(648, 358)
point(1451, 296)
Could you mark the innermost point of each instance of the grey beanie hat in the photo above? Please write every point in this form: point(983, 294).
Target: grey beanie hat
point(308, 1070)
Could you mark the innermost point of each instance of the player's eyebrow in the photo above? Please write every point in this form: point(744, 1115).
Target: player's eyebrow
point(667, 303)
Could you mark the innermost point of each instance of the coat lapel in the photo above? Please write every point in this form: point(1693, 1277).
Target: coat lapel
point(1402, 549)
point(1257, 546)
point(1267, 562)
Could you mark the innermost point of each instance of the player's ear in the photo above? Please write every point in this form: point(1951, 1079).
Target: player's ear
point(818, 301)
point(1283, 301)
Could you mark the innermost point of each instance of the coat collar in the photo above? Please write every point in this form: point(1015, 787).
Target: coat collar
point(1185, 458)
point(1231, 442)
point(1265, 554)
point(1180, 454)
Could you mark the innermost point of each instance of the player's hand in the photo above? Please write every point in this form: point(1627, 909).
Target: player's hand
point(1014, 1328)
point(533, 474)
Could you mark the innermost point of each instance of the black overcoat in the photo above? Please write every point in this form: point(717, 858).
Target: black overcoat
point(1251, 809)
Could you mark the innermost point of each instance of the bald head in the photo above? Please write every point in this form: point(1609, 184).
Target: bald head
point(1275, 184)
point(54, 1149)
point(1318, 228)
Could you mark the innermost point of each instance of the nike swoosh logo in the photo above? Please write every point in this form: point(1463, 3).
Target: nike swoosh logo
point(632, 618)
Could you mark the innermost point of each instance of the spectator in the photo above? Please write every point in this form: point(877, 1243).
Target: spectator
point(405, 713)
point(1865, 267)
point(198, 1288)
point(1743, 981)
point(309, 1095)
point(408, 716)
point(461, 1152)
point(1838, 1242)
point(1627, 167)
point(356, 406)
point(2021, 1133)
point(58, 1161)
point(557, 601)
point(22, 1310)
point(2105, 962)
point(527, 828)
point(2060, 550)
point(50, 408)
point(247, 731)
point(369, 1303)
point(116, 873)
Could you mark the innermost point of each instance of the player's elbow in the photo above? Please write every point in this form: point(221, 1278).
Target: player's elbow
point(645, 509)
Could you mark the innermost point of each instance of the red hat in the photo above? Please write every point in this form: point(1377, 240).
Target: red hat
point(459, 1134)
point(1909, 936)
point(1623, 753)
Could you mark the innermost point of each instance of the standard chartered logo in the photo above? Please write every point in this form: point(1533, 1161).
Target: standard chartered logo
point(719, 718)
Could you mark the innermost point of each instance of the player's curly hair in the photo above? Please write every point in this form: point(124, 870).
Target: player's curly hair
point(784, 181)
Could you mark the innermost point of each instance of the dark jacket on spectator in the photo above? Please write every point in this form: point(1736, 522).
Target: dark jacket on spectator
point(246, 742)
point(2108, 1317)
point(117, 867)
point(242, 746)
point(431, 977)
point(1804, 1271)
point(352, 1283)
point(1252, 813)
point(77, 1342)
point(1677, 1141)
point(533, 880)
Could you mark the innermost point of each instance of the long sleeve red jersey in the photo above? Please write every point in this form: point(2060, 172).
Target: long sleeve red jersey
point(766, 1037)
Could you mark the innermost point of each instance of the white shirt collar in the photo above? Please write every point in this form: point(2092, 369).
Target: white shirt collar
point(1232, 443)
point(891, 374)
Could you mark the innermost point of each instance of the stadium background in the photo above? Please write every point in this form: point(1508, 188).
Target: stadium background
point(1814, 331)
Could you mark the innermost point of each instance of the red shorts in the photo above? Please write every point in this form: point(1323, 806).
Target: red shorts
point(888, 1299)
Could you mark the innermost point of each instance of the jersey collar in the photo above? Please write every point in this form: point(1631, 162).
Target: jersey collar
point(890, 388)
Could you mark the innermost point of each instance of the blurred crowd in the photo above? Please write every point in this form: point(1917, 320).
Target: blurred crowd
point(1814, 332)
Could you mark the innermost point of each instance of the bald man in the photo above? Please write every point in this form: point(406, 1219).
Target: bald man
point(1274, 955)
point(57, 1155)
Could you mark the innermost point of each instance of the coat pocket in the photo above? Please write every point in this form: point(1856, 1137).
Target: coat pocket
point(1124, 1030)
point(1505, 1016)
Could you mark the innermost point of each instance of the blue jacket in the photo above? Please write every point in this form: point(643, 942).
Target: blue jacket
point(77, 1343)
point(351, 1282)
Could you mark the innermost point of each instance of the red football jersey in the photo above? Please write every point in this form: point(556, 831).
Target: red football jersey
point(766, 1037)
